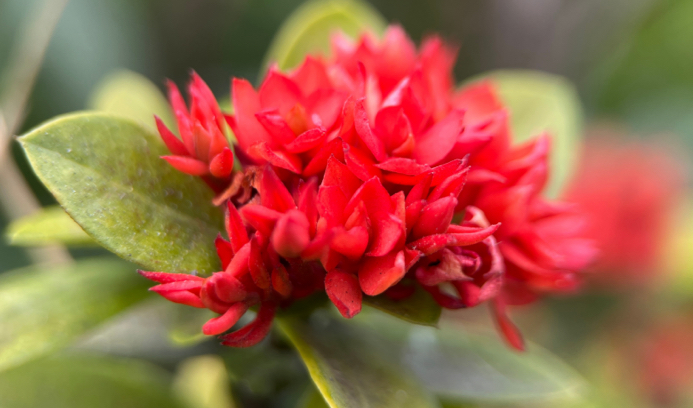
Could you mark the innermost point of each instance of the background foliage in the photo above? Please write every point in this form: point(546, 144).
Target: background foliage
point(630, 60)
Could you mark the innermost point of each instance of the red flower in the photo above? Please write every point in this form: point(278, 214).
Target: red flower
point(260, 268)
point(379, 237)
point(204, 150)
point(629, 191)
point(287, 122)
point(476, 271)
point(355, 168)
point(542, 241)
point(423, 123)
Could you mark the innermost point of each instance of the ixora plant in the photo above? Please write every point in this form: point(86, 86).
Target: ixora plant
point(356, 173)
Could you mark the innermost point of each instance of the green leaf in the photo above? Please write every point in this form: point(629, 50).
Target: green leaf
point(475, 368)
point(308, 29)
point(203, 382)
point(133, 96)
point(185, 325)
point(456, 404)
point(312, 399)
point(420, 308)
point(350, 369)
point(48, 226)
point(264, 369)
point(79, 381)
point(541, 102)
point(43, 310)
point(105, 171)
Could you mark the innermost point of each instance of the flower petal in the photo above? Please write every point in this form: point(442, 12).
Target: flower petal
point(218, 325)
point(221, 165)
point(351, 243)
point(511, 333)
point(275, 124)
point(257, 265)
point(291, 234)
point(245, 125)
point(174, 145)
point(305, 141)
point(167, 277)
point(377, 274)
point(344, 291)
point(187, 165)
point(435, 217)
point(436, 143)
point(363, 129)
point(280, 92)
point(273, 193)
point(281, 281)
point(254, 332)
point(228, 288)
point(262, 151)
point(238, 236)
point(224, 251)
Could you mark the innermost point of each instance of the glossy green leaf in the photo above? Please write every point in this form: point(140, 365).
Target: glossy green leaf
point(79, 381)
point(133, 96)
point(43, 310)
point(350, 369)
point(308, 29)
point(539, 102)
point(419, 308)
point(105, 171)
point(51, 225)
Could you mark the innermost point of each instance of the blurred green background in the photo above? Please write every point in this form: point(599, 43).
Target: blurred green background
point(631, 60)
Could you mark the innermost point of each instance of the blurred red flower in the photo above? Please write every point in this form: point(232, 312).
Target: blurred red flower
point(630, 190)
point(665, 362)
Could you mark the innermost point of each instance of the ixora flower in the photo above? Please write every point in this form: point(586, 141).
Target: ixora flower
point(204, 150)
point(630, 192)
point(369, 174)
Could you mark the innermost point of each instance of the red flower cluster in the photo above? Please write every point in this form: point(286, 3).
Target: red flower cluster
point(630, 191)
point(354, 182)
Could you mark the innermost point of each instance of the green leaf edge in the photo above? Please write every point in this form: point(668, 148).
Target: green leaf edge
point(311, 12)
point(102, 98)
point(285, 326)
point(25, 231)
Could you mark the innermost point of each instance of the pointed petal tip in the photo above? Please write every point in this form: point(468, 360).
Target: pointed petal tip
point(221, 165)
point(187, 165)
